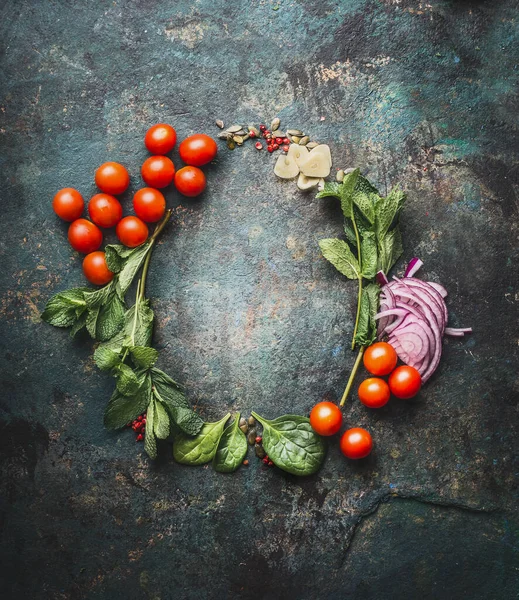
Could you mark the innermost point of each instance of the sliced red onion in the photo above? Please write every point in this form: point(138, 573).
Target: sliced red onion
point(413, 266)
point(457, 331)
point(382, 278)
point(440, 288)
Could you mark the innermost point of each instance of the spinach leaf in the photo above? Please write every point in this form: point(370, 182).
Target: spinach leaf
point(292, 444)
point(200, 449)
point(231, 449)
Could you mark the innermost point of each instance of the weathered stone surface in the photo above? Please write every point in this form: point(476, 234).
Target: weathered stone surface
point(249, 315)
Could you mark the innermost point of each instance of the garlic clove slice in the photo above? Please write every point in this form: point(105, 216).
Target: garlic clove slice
point(298, 153)
point(307, 183)
point(286, 167)
point(315, 165)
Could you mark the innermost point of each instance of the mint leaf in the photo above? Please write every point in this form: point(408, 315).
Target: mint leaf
point(131, 266)
point(366, 204)
point(387, 210)
point(331, 189)
point(346, 196)
point(91, 321)
point(127, 382)
point(144, 356)
point(124, 409)
point(150, 443)
point(161, 421)
point(62, 309)
point(390, 249)
point(110, 319)
point(140, 335)
point(169, 393)
point(95, 298)
point(79, 324)
point(106, 359)
point(369, 255)
point(339, 254)
point(367, 326)
point(115, 255)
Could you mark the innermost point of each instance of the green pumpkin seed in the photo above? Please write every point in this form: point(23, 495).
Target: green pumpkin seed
point(252, 421)
point(294, 132)
point(224, 135)
point(311, 145)
point(219, 123)
point(295, 139)
point(231, 144)
point(251, 128)
point(238, 139)
point(234, 128)
point(275, 124)
point(304, 141)
point(251, 436)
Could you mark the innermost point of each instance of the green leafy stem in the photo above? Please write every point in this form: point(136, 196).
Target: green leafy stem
point(371, 229)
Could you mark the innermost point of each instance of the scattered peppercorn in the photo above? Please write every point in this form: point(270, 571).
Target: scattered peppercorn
point(245, 462)
point(259, 145)
point(258, 439)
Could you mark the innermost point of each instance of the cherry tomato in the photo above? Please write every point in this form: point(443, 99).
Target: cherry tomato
point(95, 268)
point(149, 204)
point(356, 443)
point(160, 139)
point(68, 204)
point(131, 231)
point(380, 358)
point(84, 236)
point(105, 210)
point(326, 418)
point(112, 178)
point(405, 382)
point(190, 181)
point(374, 392)
point(198, 150)
point(158, 171)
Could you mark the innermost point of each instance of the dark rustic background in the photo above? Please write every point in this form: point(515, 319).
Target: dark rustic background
point(249, 315)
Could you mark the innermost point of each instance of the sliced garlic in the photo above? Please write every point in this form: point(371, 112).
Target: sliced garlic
point(286, 167)
point(298, 153)
point(325, 149)
point(307, 183)
point(315, 165)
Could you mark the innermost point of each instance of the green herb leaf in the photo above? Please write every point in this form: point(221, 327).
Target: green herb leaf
point(144, 356)
point(91, 321)
point(62, 309)
point(150, 443)
point(106, 359)
point(367, 326)
point(79, 324)
point(390, 249)
point(231, 449)
point(369, 255)
point(176, 403)
point(331, 189)
point(98, 297)
point(366, 205)
point(292, 444)
point(115, 255)
point(127, 382)
point(124, 409)
point(388, 210)
point(130, 336)
point(131, 266)
point(339, 254)
point(110, 319)
point(346, 196)
point(200, 449)
point(161, 421)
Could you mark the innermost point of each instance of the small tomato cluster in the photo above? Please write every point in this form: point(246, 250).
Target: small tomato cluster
point(404, 382)
point(149, 203)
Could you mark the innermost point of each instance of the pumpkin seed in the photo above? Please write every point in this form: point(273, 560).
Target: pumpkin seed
point(251, 128)
point(230, 143)
point(339, 176)
point(294, 132)
point(252, 421)
point(224, 135)
point(295, 139)
point(238, 139)
point(234, 128)
point(304, 141)
point(251, 436)
point(275, 124)
point(260, 451)
point(246, 137)
point(311, 145)
point(244, 427)
point(278, 133)
point(219, 123)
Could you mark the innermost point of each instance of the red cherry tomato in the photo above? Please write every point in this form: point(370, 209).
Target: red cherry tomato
point(131, 231)
point(190, 181)
point(405, 382)
point(380, 358)
point(198, 150)
point(356, 443)
point(68, 204)
point(326, 418)
point(105, 210)
point(95, 268)
point(374, 392)
point(149, 204)
point(112, 178)
point(158, 171)
point(84, 236)
point(160, 139)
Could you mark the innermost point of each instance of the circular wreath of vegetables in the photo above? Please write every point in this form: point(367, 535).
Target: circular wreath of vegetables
point(410, 312)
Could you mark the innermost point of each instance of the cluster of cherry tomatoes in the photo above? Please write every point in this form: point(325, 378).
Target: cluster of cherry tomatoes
point(404, 382)
point(149, 203)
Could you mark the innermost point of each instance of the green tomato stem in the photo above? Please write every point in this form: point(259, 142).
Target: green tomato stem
point(145, 267)
point(352, 375)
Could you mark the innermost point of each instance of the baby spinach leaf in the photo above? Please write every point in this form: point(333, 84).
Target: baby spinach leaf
point(292, 444)
point(231, 449)
point(200, 449)
point(339, 254)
